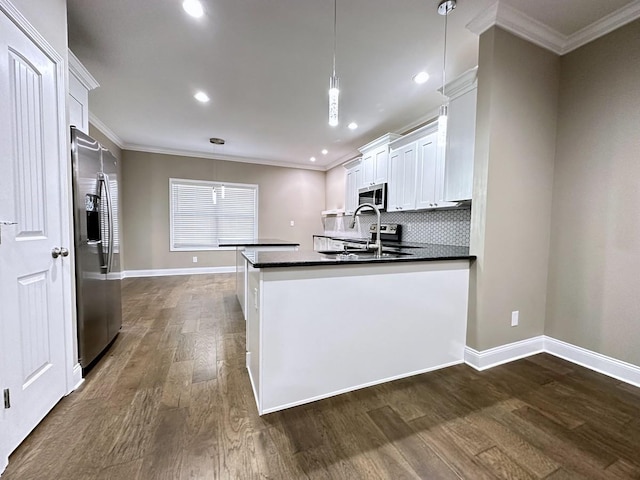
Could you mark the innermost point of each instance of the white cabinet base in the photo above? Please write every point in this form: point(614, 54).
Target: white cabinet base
point(321, 331)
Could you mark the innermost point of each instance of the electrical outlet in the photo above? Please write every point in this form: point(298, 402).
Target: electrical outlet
point(292, 223)
point(194, 259)
point(408, 227)
point(514, 318)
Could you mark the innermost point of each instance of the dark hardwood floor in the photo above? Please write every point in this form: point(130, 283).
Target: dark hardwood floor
point(172, 399)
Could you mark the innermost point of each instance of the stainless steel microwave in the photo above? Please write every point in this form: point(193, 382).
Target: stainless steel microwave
point(375, 194)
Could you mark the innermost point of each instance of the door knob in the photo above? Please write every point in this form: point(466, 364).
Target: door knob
point(57, 252)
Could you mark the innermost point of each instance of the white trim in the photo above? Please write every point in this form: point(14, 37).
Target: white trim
point(599, 28)
point(163, 272)
point(106, 131)
point(462, 84)
point(484, 21)
point(503, 354)
point(425, 119)
point(77, 378)
point(217, 156)
point(522, 25)
point(385, 139)
point(357, 387)
point(4, 462)
point(609, 366)
point(417, 134)
point(482, 360)
point(81, 73)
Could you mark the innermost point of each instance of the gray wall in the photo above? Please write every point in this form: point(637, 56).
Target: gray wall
point(513, 176)
point(594, 268)
point(285, 194)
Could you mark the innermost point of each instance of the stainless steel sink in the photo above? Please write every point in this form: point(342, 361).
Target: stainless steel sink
point(362, 254)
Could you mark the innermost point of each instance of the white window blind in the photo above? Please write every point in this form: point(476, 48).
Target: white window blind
point(198, 221)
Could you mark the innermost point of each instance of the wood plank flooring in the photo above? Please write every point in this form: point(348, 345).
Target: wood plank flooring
point(172, 400)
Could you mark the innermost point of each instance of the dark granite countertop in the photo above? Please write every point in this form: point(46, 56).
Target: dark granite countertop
point(255, 242)
point(309, 258)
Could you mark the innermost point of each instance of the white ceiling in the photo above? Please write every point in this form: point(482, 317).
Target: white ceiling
point(266, 66)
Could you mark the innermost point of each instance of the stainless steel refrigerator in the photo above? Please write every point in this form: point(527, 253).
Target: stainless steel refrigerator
point(97, 246)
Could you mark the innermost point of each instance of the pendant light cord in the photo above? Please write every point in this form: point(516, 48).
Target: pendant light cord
point(335, 23)
point(444, 57)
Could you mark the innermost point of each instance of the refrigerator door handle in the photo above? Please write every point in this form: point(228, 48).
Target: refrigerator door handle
point(105, 180)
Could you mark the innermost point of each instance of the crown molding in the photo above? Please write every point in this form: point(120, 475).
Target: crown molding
point(344, 160)
point(614, 20)
point(378, 142)
point(521, 25)
point(538, 33)
point(81, 73)
point(462, 84)
point(217, 156)
point(106, 131)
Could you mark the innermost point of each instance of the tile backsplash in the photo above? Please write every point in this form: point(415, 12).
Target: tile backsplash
point(445, 227)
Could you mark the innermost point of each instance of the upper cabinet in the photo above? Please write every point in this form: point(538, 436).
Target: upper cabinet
point(461, 133)
point(416, 171)
point(375, 160)
point(353, 179)
point(401, 192)
point(80, 83)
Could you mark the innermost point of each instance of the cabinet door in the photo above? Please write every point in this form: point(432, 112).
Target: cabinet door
point(402, 178)
point(78, 104)
point(461, 132)
point(368, 170)
point(380, 164)
point(429, 181)
point(353, 183)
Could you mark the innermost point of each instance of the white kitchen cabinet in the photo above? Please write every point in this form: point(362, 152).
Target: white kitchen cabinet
point(353, 180)
point(429, 173)
point(242, 285)
point(402, 178)
point(461, 132)
point(375, 157)
point(80, 83)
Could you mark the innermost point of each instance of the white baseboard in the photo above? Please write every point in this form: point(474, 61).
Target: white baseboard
point(163, 272)
point(77, 379)
point(623, 371)
point(504, 353)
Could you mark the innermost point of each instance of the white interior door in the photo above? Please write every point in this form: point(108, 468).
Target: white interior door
point(32, 323)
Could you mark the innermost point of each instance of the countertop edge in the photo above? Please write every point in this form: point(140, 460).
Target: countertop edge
point(376, 261)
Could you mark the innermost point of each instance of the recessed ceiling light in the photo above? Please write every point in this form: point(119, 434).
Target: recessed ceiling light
point(324, 151)
point(352, 126)
point(421, 77)
point(312, 159)
point(193, 8)
point(201, 97)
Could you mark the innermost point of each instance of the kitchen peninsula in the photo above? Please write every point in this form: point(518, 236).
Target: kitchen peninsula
point(323, 324)
point(252, 244)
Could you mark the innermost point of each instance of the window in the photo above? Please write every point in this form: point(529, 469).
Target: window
point(202, 212)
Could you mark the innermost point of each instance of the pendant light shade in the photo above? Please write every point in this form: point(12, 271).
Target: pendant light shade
point(334, 83)
point(334, 93)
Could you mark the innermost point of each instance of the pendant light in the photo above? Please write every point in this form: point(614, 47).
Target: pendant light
point(334, 83)
point(214, 193)
point(444, 8)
